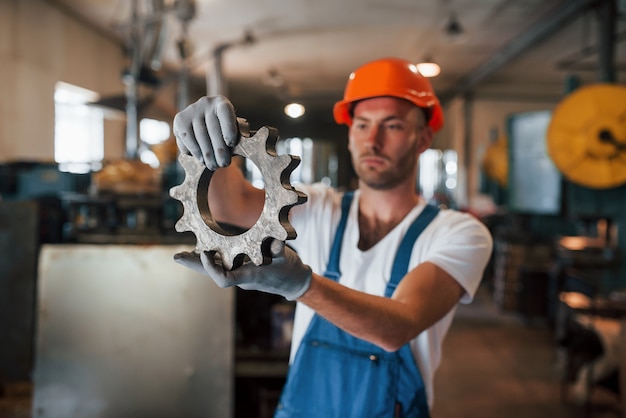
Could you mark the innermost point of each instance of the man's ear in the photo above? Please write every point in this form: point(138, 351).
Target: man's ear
point(426, 137)
point(349, 146)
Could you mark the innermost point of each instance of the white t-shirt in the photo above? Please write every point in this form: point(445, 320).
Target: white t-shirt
point(454, 241)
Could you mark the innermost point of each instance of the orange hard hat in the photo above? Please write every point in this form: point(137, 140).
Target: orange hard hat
point(389, 77)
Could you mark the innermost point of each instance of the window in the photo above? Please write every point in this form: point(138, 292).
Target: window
point(78, 130)
point(303, 173)
point(437, 176)
point(152, 132)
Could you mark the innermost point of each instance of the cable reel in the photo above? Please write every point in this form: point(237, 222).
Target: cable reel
point(586, 138)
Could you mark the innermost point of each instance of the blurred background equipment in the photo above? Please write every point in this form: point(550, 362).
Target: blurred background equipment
point(587, 136)
point(496, 161)
point(535, 182)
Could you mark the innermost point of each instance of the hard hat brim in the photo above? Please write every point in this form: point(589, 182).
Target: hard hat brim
point(342, 110)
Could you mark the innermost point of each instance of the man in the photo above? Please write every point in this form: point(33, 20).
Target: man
point(378, 272)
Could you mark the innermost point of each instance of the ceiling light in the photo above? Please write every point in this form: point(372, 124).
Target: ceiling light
point(453, 28)
point(273, 78)
point(294, 110)
point(428, 68)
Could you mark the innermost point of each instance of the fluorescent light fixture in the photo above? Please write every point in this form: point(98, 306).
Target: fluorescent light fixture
point(428, 68)
point(294, 110)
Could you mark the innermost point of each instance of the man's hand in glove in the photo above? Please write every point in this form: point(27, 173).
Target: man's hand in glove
point(208, 130)
point(286, 275)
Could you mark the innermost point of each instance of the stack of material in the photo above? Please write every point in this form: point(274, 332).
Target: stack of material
point(127, 177)
point(511, 261)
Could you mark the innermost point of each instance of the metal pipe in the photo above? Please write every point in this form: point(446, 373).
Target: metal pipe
point(468, 113)
point(132, 123)
point(544, 28)
point(185, 11)
point(573, 61)
point(215, 77)
point(607, 13)
point(216, 84)
point(183, 87)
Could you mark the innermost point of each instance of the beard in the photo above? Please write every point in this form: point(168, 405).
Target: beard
point(389, 177)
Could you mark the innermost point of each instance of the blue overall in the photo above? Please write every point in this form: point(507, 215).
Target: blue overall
point(337, 375)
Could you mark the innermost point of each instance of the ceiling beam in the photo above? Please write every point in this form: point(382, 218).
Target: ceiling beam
point(547, 26)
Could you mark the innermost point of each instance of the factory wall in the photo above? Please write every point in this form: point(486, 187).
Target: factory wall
point(489, 116)
point(469, 126)
point(39, 46)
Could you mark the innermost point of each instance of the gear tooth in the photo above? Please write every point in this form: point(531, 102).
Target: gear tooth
point(175, 192)
point(228, 260)
point(293, 196)
point(285, 162)
point(287, 195)
point(291, 164)
point(179, 226)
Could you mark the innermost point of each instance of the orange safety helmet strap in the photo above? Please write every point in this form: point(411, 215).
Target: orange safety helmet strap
point(392, 77)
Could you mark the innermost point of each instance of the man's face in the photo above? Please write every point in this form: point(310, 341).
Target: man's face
point(385, 140)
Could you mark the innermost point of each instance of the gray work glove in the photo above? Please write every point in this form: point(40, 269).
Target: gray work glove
point(287, 276)
point(208, 130)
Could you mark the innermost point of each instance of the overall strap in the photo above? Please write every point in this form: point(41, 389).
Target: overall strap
point(401, 262)
point(332, 268)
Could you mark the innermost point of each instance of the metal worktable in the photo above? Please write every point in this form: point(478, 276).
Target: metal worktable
point(124, 331)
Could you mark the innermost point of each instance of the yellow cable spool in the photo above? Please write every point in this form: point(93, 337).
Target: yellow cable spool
point(587, 136)
point(496, 162)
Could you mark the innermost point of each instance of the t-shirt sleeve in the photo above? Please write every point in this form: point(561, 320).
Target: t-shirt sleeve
point(461, 245)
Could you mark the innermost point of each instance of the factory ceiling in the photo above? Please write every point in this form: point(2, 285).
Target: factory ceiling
point(261, 51)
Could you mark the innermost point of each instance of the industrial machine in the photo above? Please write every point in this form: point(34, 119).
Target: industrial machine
point(587, 136)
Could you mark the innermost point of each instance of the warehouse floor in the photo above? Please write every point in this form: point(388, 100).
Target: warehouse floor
point(494, 365)
point(497, 365)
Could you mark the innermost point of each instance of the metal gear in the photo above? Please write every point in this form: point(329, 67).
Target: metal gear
point(280, 197)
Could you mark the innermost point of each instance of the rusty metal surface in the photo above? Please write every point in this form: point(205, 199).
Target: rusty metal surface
point(280, 196)
point(124, 331)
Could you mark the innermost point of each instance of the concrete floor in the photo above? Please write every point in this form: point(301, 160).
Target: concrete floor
point(494, 365)
point(16, 400)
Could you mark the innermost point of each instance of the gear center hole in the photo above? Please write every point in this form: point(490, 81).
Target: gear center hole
point(204, 204)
